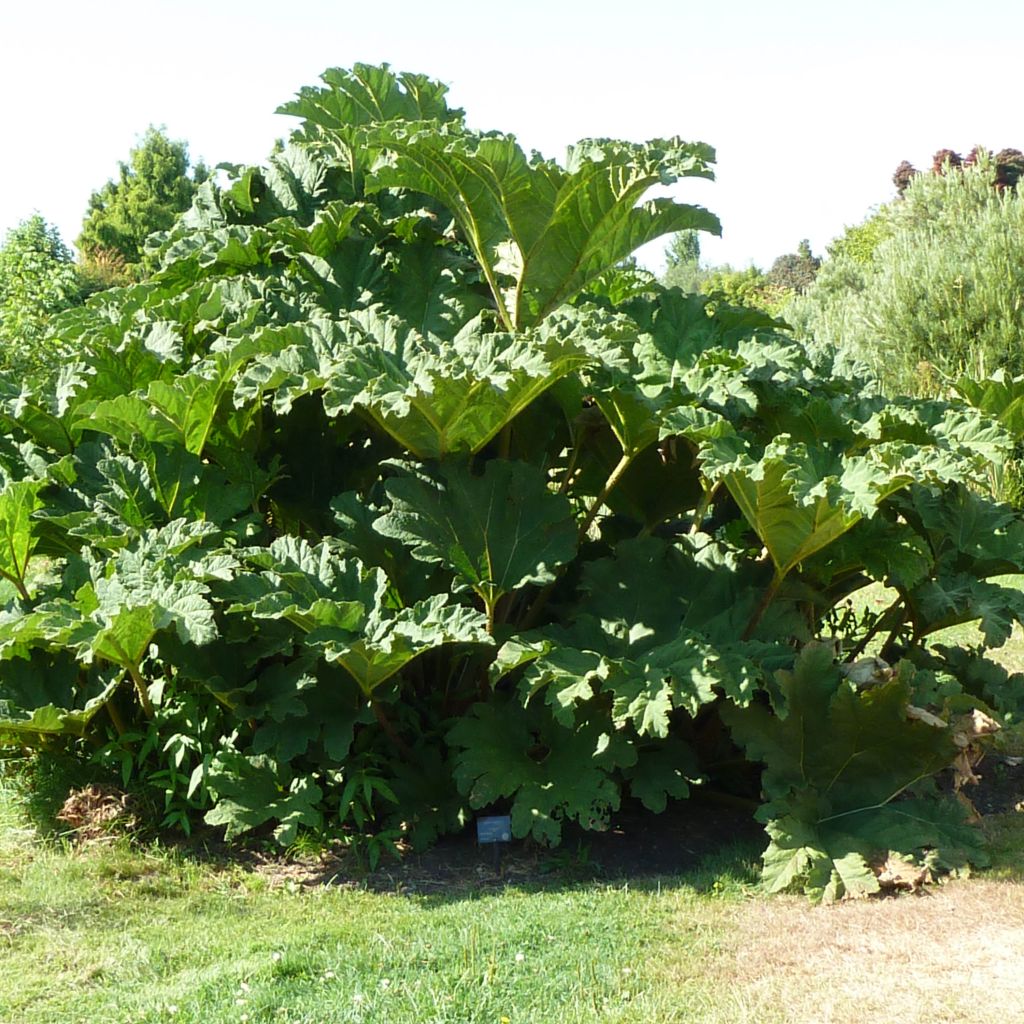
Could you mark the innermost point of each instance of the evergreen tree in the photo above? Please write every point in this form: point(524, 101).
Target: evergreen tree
point(682, 262)
point(153, 187)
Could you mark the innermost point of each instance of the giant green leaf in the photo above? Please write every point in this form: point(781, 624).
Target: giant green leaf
point(630, 637)
point(434, 397)
point(369, 94)
point(182, 411)
point(947, 601)
point(437, 398)
point(44, 418)
point(388, 641)
point(49, 695)
point(495, 532)
point(304, 706)
point(252, 790)
point(667, 770)
point(309, 586)
point(549, 230)
point(18, 537)
point(346, 610)
point(798, 500)
point(838, 762)
point(1000, 396)
point(551, 773)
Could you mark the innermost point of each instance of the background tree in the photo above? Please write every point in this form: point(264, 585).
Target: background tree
point(751, 287)
point(682, 262)
point(1009, 167)
point(38, 278)
point(903, 175)
point(153, 187)
point(1008, 163)
point(795, 271)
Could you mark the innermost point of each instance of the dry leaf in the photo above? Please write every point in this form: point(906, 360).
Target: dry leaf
point(898, 873)
point(867, 672)
point(925, 716)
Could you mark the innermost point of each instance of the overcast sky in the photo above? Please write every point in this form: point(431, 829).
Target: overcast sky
point(810, 105)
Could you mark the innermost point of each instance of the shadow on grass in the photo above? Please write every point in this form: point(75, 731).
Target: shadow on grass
point(708, 849)
point(1005, 834)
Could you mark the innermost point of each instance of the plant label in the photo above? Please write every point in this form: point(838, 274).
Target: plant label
point(495, 829)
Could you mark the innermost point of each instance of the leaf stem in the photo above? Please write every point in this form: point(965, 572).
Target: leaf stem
point(505, 441)
point(115, 717)
point(537, 606)
point(762, 606)
point(570, 470)
point(141, 690)
point(705, 503)
point(614, 477)
point(389, 729)
point(882, 622)
point(538, 603)
point(19, 583)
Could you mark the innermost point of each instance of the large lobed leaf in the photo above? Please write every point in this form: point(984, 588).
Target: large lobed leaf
point(548, 230)
point(435, 397)
point(640, 634)
point(347, 611)
point(495, 532)
point(838, 764)
point(550, 773)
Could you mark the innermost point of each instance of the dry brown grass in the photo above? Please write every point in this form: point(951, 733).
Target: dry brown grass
point(956, 955)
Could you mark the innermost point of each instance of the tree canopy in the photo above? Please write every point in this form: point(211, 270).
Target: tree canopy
point(38, 278)
point(152, 188)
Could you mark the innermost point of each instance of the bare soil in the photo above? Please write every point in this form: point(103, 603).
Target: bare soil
point(638, 845)
point(1002, 785)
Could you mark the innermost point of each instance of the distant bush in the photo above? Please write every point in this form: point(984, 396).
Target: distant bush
point(795, 271)
point(751, 288)
point(38, 279)
point(929, 287)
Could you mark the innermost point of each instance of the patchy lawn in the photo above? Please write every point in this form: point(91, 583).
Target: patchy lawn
point(115, 934)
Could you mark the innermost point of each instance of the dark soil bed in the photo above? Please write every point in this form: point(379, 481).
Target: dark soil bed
point(638, 845)
point(1002, 785)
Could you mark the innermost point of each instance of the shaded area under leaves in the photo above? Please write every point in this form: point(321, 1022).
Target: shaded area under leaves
point(637, 846)
point(1001, 788)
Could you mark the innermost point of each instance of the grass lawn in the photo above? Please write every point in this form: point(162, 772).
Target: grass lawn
point(115, 934)
point(111, 934)
point(1010, 655)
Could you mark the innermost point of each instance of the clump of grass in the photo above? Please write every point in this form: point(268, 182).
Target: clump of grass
point(1005, 835)
point(37, 786)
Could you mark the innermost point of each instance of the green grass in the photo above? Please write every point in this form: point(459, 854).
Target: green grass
point(1010, 655)
point(120, 935)
point(1005, 835)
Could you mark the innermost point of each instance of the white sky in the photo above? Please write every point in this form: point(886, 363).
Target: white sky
point(811, 104)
